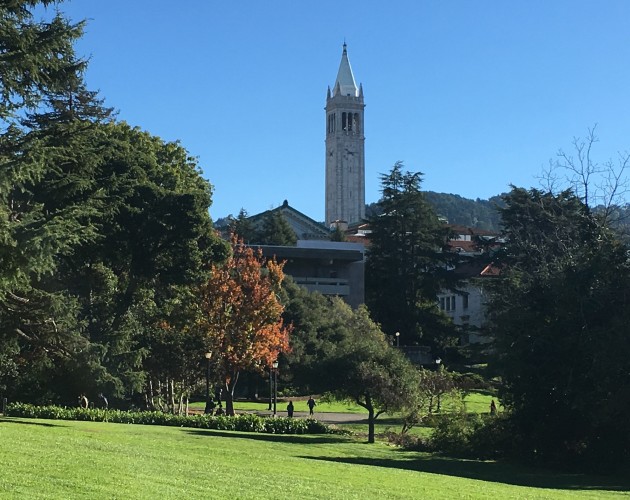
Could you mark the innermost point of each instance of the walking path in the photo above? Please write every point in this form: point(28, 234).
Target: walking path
point(328, 418)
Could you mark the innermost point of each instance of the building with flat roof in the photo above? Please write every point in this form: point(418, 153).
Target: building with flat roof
point(328, 267)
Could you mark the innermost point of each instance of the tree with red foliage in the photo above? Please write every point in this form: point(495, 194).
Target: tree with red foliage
point(241, 315)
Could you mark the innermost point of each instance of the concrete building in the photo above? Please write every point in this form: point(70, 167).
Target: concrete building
point(345, 148)
point(328, 267)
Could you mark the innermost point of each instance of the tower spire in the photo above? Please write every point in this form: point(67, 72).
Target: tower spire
point(345, 78)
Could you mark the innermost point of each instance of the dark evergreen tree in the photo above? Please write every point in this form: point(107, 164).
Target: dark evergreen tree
point(561, 312)
point(406, 265)
point(102, 225)
point(338, 235)
point(276, 230)
point(242, 227)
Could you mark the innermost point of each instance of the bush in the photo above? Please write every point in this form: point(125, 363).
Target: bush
point(244, 422)
point(409, 441)
point(472, 436)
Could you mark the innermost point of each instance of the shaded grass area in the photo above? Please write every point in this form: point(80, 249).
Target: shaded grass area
point(53, 459)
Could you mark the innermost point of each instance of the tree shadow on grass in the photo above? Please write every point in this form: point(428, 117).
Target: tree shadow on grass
point(272, 438)
point(10, 420)
point(496, 472)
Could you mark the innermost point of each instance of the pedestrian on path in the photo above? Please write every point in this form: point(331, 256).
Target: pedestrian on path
point(311, 404)
point(290, 409)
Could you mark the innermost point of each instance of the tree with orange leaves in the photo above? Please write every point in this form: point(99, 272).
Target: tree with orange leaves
point(241, 315)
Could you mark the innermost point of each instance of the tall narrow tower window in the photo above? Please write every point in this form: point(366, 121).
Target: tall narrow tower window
point(356, 123)
point(344, 125)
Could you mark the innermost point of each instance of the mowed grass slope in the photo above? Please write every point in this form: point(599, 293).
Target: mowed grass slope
point(61, 459)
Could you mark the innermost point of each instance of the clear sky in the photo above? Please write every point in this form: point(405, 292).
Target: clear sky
point(475, 94)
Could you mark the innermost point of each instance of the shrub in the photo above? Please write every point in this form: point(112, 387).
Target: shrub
point(409, 441)
point(472, 436)
point(244, 422)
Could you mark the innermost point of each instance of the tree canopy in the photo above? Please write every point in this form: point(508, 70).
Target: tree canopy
point(241, 316)
point(560, 313)
point(103, 229)
point(406, 266)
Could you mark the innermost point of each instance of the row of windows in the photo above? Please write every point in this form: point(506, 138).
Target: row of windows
point(350, 122)
point(449, 303)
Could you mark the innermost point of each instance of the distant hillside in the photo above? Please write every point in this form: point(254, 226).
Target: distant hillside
point(481, 214)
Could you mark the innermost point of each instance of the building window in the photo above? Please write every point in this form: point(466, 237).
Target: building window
point(465, 301)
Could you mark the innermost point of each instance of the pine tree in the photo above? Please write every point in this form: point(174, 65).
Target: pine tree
point(276, 231)
point(406, 265)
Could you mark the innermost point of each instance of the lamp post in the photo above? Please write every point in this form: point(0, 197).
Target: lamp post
point(438, 364)
point(274, 366)
point(397, 339)
point(270, 388)
point(208, 355)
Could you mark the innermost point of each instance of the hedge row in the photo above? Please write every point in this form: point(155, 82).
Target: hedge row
point(244, 422)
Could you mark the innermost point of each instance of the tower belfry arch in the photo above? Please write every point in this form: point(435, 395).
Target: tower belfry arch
point(345, 148)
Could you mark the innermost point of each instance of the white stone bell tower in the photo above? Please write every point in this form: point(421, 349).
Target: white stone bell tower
point(345, 148)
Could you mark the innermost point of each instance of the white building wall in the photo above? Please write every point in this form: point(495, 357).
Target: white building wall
point(466, 307)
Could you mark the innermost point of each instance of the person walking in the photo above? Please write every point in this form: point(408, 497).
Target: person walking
point(493, 408)
point(311, 404)
point(290, 409)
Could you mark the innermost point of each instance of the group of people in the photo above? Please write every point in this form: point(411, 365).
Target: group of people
point(310, 403)
point(84, 402)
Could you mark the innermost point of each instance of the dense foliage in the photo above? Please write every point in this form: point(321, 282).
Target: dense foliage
point(342, 352)
point(561, 312)
point(104, 228)
point(243, 422)
point(406, 263)
point(241, 316)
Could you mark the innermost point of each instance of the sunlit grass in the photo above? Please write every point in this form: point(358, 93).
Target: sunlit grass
point(60, 460)
point(475, 402)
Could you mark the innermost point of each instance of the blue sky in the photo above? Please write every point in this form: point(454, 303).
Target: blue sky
point(475, 94)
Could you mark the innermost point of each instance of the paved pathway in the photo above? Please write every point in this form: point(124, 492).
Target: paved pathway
point(328, 418)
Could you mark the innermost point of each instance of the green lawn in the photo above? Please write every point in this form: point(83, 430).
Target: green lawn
point(62, 459)
point(475, 403)
point(300, 405)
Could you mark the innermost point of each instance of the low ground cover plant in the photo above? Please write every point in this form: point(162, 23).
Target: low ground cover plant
point(244, 422)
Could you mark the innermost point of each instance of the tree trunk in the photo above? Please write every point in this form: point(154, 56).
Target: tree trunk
point(171, 398)
point(230, 385)
point(370, 408)
point(150, 403)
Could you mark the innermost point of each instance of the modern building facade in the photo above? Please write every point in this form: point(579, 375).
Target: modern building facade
point(345, 148)
point(327, 267)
